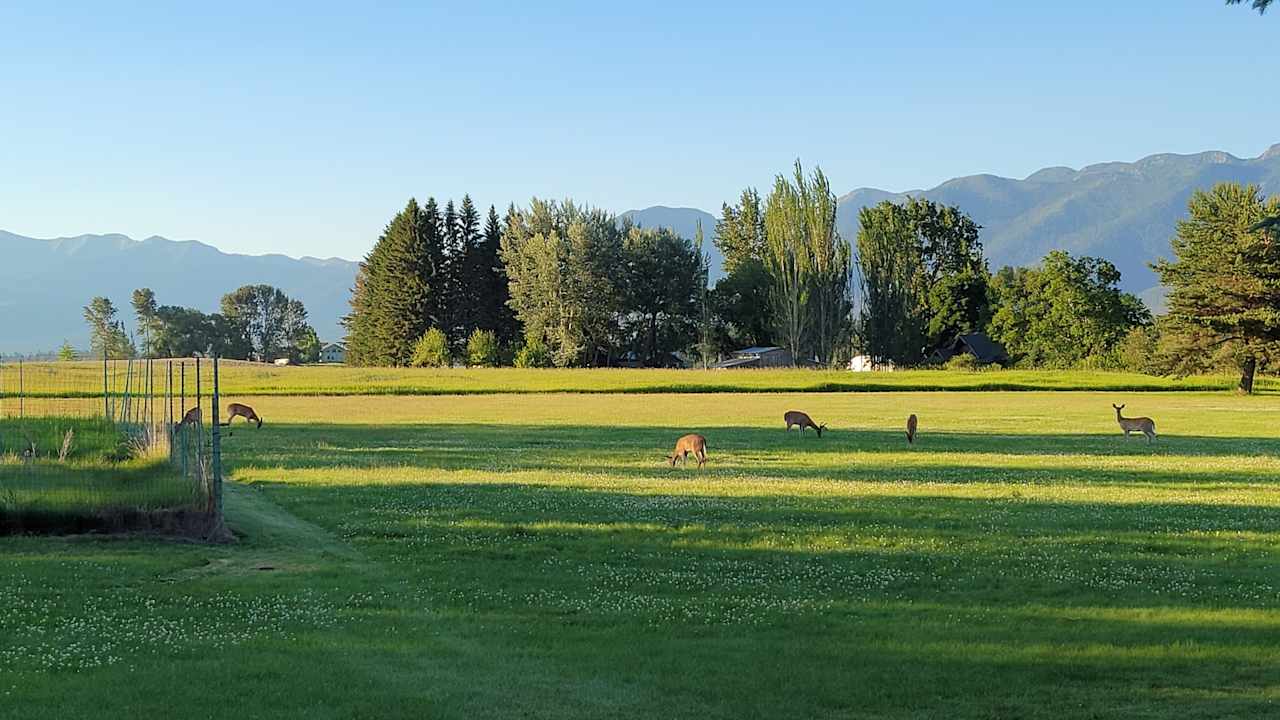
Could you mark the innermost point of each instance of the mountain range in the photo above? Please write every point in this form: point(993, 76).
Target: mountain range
point(45, 284)
point(1124, 212)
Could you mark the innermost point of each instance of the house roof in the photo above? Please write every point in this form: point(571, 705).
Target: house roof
point(330, 346)
point(982, 346)
point(757, 350)
point(735, 362)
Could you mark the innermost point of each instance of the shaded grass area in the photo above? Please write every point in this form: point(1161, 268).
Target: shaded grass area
point(84, 380)
point(69, 474)
point(535, 558)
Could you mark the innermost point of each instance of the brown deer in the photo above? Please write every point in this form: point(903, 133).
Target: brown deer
point(692, 443)
point(912, 424)
point(191, 418)
point(235, 410)
point(795, 417)
point(1144, 425)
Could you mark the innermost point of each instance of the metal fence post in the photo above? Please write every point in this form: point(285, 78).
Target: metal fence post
point(106, 391)
point(22, 397)
point(216, 460)
point(168, 397)
point(198, 384)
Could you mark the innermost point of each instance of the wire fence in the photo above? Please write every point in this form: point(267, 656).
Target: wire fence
point(110, 445)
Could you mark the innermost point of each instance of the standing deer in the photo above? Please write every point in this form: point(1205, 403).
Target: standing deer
point(1144, 425)
point(235, 410)
point(912, 423)
point(692, 443)
point(795, 417)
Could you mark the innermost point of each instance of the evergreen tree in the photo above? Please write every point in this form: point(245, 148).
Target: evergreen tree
point(469, 278)
point(392, 301)
point(452, 300)
point(1224, 285)
point(436, 262)
point(493, 311)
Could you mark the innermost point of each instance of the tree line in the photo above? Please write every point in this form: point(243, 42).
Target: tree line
point(256, 322)
point(560, 284)
point(553, 284)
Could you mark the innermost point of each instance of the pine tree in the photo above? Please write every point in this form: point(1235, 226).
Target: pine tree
point(391, 301)
point(468, 280)
point(493, 311)
point(1224, 286)
point(450, 302)
point(436, 262)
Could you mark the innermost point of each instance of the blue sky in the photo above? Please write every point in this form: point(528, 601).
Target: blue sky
point(301, 128)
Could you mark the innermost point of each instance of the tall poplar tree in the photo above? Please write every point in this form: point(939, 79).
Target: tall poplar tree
point(809, 265)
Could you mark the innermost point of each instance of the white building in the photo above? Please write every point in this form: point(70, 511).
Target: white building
point(864, 363)
point(333, 353)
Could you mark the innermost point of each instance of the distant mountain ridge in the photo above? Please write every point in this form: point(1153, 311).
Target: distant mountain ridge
point(1125, 212)
point(45, 284)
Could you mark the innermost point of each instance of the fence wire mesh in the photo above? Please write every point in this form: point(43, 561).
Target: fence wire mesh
point(107, 443)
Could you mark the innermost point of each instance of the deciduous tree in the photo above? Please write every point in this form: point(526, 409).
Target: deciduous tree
point(272, 323)
point(1064, 312)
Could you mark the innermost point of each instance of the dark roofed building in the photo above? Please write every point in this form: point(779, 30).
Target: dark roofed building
point(979, 345)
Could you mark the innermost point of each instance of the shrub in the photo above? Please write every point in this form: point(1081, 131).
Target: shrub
point(534, 354)
point(963, 361)
point(482, 349)
point(1139, 351)
point(431, 350)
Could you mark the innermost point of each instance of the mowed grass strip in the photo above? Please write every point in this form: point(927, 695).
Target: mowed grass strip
point(534, 555)
point(84, 380)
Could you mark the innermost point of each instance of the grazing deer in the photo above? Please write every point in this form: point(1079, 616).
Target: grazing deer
point(795, 417)
point(235, 410)
point(912, 424)
point(191, 418)
point(691, 443)
point(1144, 425)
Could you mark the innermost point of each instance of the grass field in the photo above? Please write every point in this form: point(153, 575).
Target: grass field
point(85, 379)
point(533, 556)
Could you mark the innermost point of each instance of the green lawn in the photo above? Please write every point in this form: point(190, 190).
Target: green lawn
point(533, 556)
